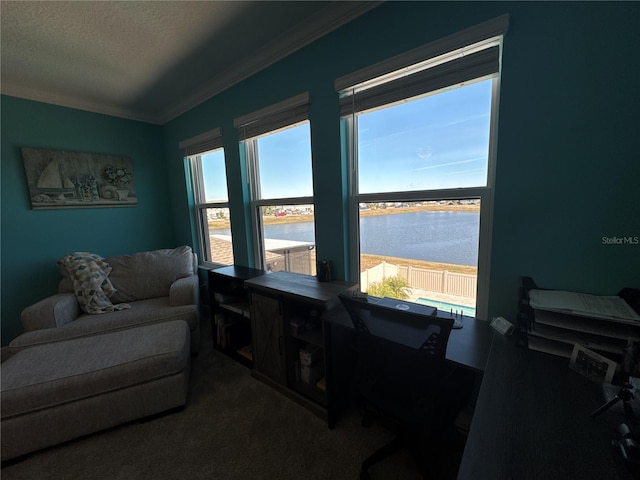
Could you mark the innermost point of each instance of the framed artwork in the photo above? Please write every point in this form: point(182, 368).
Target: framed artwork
point(61, 179)
point(592, 365)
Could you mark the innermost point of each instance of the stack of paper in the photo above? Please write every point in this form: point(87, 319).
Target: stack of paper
point(562, 320)
point(593, 306)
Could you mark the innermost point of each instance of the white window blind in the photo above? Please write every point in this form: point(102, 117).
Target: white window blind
point(205, 142)
point(273, 117)
point(471, 54)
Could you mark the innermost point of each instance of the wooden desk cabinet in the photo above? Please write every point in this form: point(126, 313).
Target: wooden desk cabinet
point(289, 314)
point(265, 320)
point(267, 325)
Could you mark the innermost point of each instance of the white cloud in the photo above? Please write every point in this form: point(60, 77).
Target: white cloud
point(450, 163)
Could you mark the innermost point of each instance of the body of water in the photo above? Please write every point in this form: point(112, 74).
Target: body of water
point(447, 307)
point(446, 237)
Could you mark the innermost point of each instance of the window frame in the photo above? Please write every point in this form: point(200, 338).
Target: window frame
point(484, 193)
point(257, 202)
point(201, 206)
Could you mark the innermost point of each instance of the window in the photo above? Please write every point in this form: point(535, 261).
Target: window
point(205, 156)
point(277, 145)
point(420, 130)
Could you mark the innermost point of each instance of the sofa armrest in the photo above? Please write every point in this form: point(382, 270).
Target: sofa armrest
point(184, 291)
point(54, 311)
point(7, 352)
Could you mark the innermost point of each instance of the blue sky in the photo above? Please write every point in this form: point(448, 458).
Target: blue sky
point(285, 166)
point(440, 141)
point(285, 163)
point(215, 176)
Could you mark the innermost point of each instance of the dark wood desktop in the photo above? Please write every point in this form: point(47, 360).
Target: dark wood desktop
point(468, 346)
point(532, 421)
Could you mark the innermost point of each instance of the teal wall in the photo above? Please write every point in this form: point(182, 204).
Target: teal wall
point(568, 143)
point(568, 164)
point(567, 167)
point(32, 240)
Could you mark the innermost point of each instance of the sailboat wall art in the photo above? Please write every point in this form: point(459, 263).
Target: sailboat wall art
point(61, 179)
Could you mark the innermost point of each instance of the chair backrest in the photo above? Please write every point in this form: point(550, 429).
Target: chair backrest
point(401, 357)
point(429, 334)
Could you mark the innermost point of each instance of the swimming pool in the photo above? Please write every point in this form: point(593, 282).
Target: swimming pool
point(447, 307)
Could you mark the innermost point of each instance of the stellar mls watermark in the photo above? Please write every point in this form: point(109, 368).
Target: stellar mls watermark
point(620, 240)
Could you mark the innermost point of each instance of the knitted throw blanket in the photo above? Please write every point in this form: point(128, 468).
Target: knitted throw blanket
point(92, 288)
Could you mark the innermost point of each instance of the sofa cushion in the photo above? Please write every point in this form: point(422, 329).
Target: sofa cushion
point(62, 372)
point(149, 274)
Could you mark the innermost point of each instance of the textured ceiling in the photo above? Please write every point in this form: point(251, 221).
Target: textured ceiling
point(151, 60)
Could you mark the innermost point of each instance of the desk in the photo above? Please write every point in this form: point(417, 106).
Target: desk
point(468, 346)
point(531, 421)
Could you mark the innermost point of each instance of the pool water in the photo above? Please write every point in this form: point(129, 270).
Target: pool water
point(447, 307)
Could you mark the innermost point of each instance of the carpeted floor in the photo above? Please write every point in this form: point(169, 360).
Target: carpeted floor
point(234, 427)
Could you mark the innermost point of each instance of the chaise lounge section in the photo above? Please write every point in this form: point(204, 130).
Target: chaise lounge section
point(59, 391)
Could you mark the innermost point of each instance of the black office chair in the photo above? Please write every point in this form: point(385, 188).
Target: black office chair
point(403, 374)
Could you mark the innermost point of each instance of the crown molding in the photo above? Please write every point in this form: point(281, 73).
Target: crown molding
point(284, 45)
point(27, 93)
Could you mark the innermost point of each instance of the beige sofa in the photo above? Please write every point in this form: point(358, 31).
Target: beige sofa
point(160, 286)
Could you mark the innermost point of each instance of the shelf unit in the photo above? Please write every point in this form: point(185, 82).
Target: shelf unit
point(294, 346)
point(556, 333)
point(231, 312)
point(304, 333)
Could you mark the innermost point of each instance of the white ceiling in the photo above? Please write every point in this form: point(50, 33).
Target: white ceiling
point(151, 60)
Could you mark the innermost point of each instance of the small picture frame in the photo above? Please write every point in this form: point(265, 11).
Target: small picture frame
point(592, 365)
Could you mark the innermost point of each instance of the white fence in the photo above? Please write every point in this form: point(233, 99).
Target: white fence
point(440, 281)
